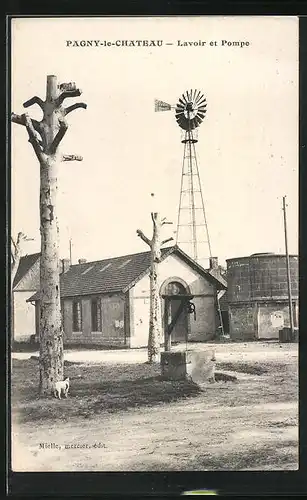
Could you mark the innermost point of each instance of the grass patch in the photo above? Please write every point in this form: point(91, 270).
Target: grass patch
point(25, 347)
point(94, 389)
point(66, 362)
point(250, 368)
point(278, 454)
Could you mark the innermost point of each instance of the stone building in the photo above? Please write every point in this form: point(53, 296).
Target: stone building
point(257, 295)
point(106, 302)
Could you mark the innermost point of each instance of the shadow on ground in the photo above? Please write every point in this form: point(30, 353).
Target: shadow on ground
point(94, 389)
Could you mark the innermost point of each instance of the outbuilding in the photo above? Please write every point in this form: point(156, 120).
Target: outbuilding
point(106, 302)
point(25, 284)
point(257, 295)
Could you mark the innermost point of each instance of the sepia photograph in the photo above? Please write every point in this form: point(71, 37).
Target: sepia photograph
point(154, 278)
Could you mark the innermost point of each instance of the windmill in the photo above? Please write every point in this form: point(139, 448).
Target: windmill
point(192, 230)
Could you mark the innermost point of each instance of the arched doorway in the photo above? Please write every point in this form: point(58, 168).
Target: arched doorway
point(175, 294)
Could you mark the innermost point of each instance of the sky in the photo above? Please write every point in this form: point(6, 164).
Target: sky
point(248, 142)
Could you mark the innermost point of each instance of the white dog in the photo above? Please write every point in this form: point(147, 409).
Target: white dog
point(61, 387)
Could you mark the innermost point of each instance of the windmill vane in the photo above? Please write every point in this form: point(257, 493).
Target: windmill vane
point(190, 109)
point(162, 106)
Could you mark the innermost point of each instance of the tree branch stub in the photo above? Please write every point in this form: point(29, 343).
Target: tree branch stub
point(144, 238)
point(65, 157)
point(34, 100)
point(71, 108)
point(59, 136)
point(32, 138)
point(167, 240)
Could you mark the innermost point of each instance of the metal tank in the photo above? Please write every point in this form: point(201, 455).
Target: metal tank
point(257, 294)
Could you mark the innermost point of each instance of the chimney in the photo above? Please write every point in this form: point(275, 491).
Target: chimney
point(214, 263)
point(81, 261)
point(65, 265)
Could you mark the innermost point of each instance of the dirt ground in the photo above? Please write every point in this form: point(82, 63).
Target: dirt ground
point(121, 417)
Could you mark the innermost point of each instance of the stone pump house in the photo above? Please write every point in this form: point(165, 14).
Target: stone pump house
point(106, 302)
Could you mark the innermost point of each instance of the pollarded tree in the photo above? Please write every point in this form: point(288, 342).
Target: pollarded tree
point(155, 324)
point(45, 137)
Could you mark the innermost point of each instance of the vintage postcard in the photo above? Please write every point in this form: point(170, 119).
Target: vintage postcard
point(154, 266)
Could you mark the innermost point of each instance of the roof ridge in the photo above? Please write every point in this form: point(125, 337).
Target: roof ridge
point(119, 257)
point(30, 255)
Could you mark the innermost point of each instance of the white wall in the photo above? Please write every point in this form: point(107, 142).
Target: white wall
point(24, 316)
point(173, 267)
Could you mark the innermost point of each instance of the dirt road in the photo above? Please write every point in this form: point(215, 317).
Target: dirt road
point(185, 436)
point(251, 351)
point(252, 425)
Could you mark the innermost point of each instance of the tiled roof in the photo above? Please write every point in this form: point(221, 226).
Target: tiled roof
point(25, 265)
point(217, 274)
point(115, 274)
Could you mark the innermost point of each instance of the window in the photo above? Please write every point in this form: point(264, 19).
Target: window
point(62, 313)
point(124, 263)
point(175, 288)
point(96, 315)
point(77, 316)
point(105, 267)
point(87, 270)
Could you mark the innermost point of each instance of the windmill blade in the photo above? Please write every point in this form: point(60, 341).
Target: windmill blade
point(161, 105)
point(198, 120)
point(201, 115)
point(187, 96)
point(184, 99)
point(203, 107)
point(191, 95)
point(180, 106)
point(193, 123)
point(202, 110)
point(202, 101)
point(194, 95)
point(200, 96)
point(183, 104)
point(183, 122)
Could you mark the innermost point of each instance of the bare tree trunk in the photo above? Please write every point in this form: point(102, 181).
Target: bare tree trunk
point(51, 131)
point(155, 326)
point(155, 323)
point(51, 333)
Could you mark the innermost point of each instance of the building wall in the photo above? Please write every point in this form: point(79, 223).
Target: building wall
point(24, 324)
point(260, 277)
point(31, 279)
point(273, 317)
point(243, 322)
point(260, 320)
point(125, 317)
point(204, 298)
point(24, 316)
point(257, 295)
point(112, 319)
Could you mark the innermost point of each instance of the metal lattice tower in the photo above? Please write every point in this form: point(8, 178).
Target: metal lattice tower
point(192, 229)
